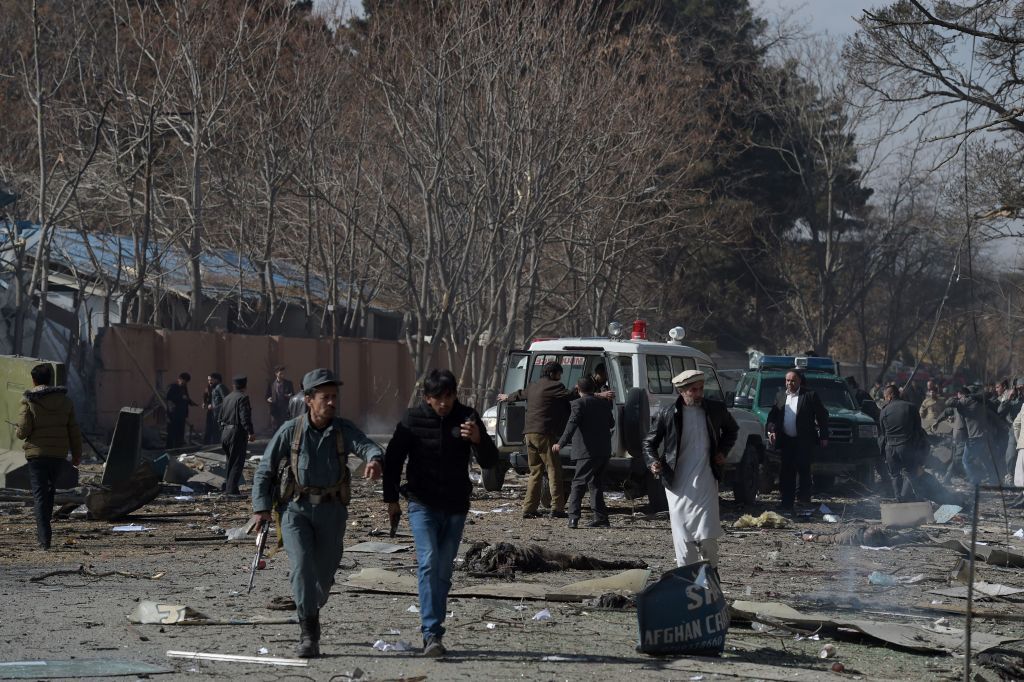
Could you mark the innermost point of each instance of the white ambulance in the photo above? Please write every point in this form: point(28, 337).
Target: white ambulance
point(640, 372)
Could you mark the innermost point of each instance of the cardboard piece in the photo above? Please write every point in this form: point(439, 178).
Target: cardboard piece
point(915, 638)
point(206, 481)
point(987, 553)
point(377, 548)
point(982, 590)
point(627, 582)
point(389, 582)
point(907, 514)
point(947, 511)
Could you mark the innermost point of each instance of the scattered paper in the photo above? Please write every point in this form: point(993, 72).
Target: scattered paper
point(543, 614)
point(183, 498)
point(520, 607)
point(393, 631)
point(831, 518)
point(130, 528)
point(413, 609)
point(264, 650)
point(186, 489)
point(877, 549)
point(491, 626)
point(824, 509)
point(1019, 533)
point(400, 645)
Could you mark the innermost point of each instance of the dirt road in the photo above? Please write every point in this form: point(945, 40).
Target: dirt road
point(81, 616)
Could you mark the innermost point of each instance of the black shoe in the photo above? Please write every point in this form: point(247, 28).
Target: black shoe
point(309, 643)
point(599, 523)
point(433, 648)
point(558, 515)
point(531, 515)
point(574, 522)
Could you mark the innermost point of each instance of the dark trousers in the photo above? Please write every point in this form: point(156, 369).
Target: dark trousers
point(175, 431)
point(589, 476)
point(796, 462)
point(212, 433)
point(42, 472)
point(912, 481)
point(956, 461)
point(234, 443)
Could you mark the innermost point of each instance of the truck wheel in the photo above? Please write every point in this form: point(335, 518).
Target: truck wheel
point(493, 477)
point(636, 417)
point(745, 478)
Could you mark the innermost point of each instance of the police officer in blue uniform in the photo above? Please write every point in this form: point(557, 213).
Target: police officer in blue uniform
point(303, 474)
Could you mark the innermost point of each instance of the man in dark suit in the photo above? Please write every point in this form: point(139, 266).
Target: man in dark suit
point(237, 433)
point(279, 392)
point(797, 425)
point(177, 410)
point(903, 442)
point(590, 421)
point(547, 410)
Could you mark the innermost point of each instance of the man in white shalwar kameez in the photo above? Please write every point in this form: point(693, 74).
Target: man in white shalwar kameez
point(687, 447)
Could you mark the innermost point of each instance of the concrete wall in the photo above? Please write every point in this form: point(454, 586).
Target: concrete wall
point(133, 361)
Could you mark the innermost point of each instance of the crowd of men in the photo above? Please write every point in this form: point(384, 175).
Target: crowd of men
point(303, 480)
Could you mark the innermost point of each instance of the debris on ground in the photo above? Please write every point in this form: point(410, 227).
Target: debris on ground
point(906, 514)
point(611, 600)
point(768, 519)
point(400, 645)
point(868, 535)
point(484, 557)
point(684, 612)
point(886, 580)
point(232, 658)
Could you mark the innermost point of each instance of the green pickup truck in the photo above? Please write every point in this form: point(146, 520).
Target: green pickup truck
point(853, 436)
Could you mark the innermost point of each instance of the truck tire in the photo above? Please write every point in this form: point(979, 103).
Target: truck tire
point(636, 417)
point(493, 477)
point(746, 477)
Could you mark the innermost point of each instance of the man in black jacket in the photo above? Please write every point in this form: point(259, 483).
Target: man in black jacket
point(903, 442)
point(590, 423)
point(177, 410)
point(437, 437)
point(797, 424)
point(237, 432)
point(547, 410)
point(686, 448)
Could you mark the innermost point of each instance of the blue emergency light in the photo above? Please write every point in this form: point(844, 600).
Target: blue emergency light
point(809, 364)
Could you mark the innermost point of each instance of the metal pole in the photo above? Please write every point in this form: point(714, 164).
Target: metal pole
point(970, 586)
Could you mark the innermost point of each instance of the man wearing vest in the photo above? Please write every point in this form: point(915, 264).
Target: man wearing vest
point(437, 439)
point(303, 474)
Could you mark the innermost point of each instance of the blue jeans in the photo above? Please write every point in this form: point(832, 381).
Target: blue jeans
point(979, 463)
point(437, 535)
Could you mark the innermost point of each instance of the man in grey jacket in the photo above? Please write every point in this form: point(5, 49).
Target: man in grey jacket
point(590, 422)
point(981, 456)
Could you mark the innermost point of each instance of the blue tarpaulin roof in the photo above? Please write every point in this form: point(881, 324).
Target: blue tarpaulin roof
point(168, 265)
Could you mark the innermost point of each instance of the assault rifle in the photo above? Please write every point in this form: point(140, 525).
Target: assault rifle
point(261, 545)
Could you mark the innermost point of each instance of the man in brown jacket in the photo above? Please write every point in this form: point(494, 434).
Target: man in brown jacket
point(48, 427)
point(547, 411)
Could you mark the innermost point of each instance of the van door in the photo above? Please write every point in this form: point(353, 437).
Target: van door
point(512, 414)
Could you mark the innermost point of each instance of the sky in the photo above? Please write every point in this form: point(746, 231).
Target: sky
point(818, 16)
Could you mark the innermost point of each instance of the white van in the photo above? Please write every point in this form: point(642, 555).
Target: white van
point(640, 372)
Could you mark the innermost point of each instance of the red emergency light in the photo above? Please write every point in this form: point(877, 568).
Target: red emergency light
point(639, 331)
